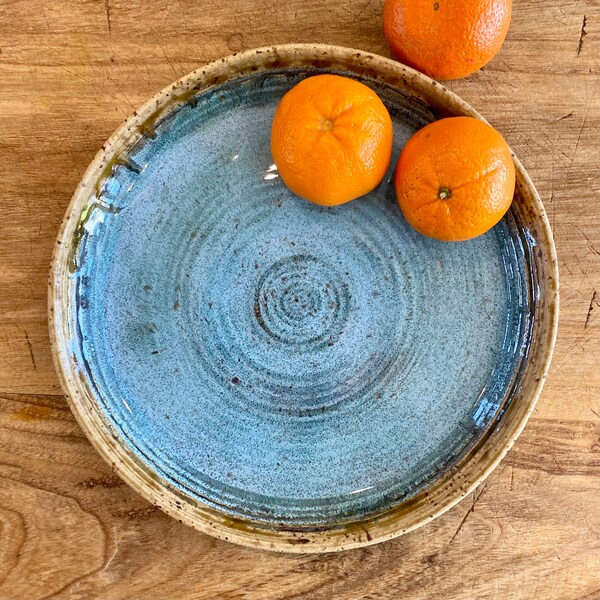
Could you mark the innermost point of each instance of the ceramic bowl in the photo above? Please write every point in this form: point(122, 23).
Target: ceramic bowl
point(279, 374)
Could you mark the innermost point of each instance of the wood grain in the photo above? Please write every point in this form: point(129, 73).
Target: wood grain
point(70, 72)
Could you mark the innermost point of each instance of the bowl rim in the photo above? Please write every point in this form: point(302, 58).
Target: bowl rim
point(460, 480)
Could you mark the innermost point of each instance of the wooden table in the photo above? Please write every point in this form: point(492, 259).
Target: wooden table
point(70, 72)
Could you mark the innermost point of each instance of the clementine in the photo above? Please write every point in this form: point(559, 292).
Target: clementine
point(331, 139)
point(455, 179)
point(446, 39)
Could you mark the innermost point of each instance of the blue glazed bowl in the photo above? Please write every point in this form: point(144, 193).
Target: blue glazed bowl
point(276, 373)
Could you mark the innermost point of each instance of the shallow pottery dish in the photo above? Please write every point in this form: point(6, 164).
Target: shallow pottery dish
point(279, 374)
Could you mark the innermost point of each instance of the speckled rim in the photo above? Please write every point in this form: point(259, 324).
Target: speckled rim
point(446, 491)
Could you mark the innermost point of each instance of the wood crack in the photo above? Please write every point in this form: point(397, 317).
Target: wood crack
point(567, 116)
point(582, 34)
point(587, 239)
point(590, 309)
point(30, 348)
point(467, 514)
point(107, 9)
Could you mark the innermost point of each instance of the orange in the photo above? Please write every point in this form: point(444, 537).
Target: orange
point(455, 179)
point(331, 139)
point(446, 39)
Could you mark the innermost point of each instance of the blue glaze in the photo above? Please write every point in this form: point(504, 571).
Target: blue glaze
point(278, 360)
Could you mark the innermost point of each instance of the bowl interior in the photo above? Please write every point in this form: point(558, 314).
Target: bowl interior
point(279, 365)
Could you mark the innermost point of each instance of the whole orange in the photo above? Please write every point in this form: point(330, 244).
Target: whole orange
point(455, 179)
point(331, 139)
point(446, 39)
